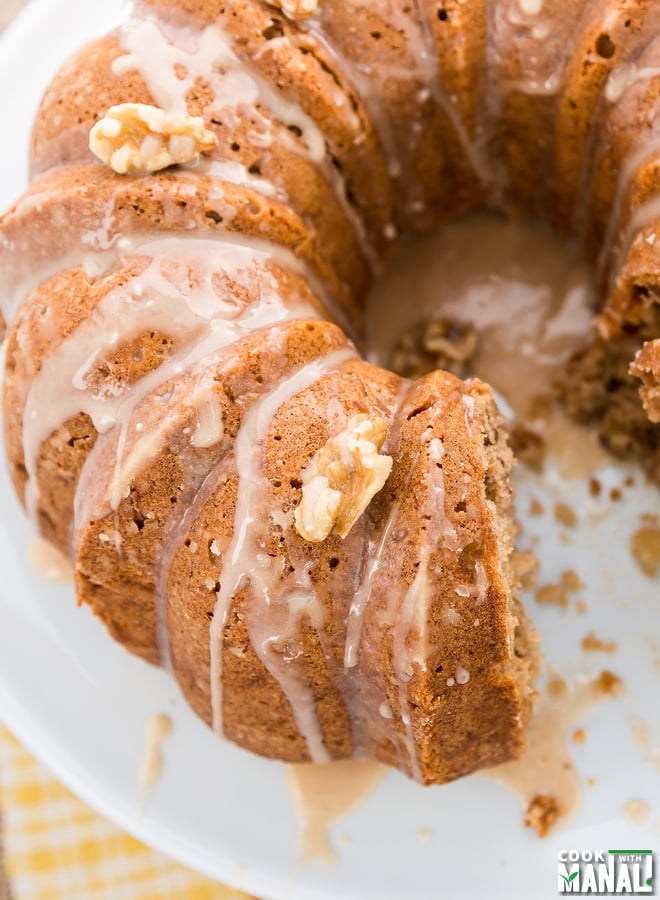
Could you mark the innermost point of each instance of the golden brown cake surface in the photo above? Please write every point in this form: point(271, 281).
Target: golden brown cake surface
point(183, 419)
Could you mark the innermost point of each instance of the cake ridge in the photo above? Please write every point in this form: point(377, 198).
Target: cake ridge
point(247, 447)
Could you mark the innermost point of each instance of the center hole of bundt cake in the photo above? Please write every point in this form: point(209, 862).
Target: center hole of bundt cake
point(509, 302)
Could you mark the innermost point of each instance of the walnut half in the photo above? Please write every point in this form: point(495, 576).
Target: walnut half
point(136, 137)
point(296, 9)
point(341, 479)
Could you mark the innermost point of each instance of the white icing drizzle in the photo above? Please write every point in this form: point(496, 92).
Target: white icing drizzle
point(526, 54)
point(275, 605)
point(407, 610)
point(365, 588)
point(624, 76)
point(179, 293)
point(235, 173)
point(412, 616)
point(49, 562)
point(462, 675)
point(135, 451)
point(23, 279)
point(331, 173)
point(532, 86)
point(421, 67)
point(385, 710)
point(210, 425)
point(405, 619)
point(158, 727)
point(419, 63)
point(161, 53)
point(539, 52)
point(411, 619)
point(323, 794)
point(339, 98)
point(375, 551)
point(177, 528)
point(28, 262)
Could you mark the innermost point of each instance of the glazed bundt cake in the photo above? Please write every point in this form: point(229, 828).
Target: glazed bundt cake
point(318, 549)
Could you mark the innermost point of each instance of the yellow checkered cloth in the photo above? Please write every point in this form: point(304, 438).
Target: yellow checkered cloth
point(56, 848)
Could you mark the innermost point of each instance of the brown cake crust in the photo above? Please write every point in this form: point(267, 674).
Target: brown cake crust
point(61, 135)
point(403, 641)
point(646, 367)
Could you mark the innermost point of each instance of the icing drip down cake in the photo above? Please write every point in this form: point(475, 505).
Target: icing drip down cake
point(318, 549)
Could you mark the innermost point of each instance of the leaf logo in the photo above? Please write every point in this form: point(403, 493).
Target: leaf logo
point(570, 877)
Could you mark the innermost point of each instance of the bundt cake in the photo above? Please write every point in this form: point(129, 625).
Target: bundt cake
point(318, 549)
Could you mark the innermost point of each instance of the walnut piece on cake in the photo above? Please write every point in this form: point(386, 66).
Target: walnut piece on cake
point(136, 137)
point(341, 479)
point(437, 344)
point(296, 9)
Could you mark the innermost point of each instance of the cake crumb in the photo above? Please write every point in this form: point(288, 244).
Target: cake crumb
point(581, 607)
point(579, 736)
point(527, 445)
point(536, 508)
point(595, 487)
point(565, 514)
point(591, 782)
point(557, 594)
point(645, 545)
point(524, 565)
point(552, 594)
point(615, 494)
point(592, 643)
point(556, 686)
point(609, 684)
point(572, 581)
point(542, 813)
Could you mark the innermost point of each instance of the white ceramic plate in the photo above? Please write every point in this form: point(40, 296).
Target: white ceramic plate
point(80, 703)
